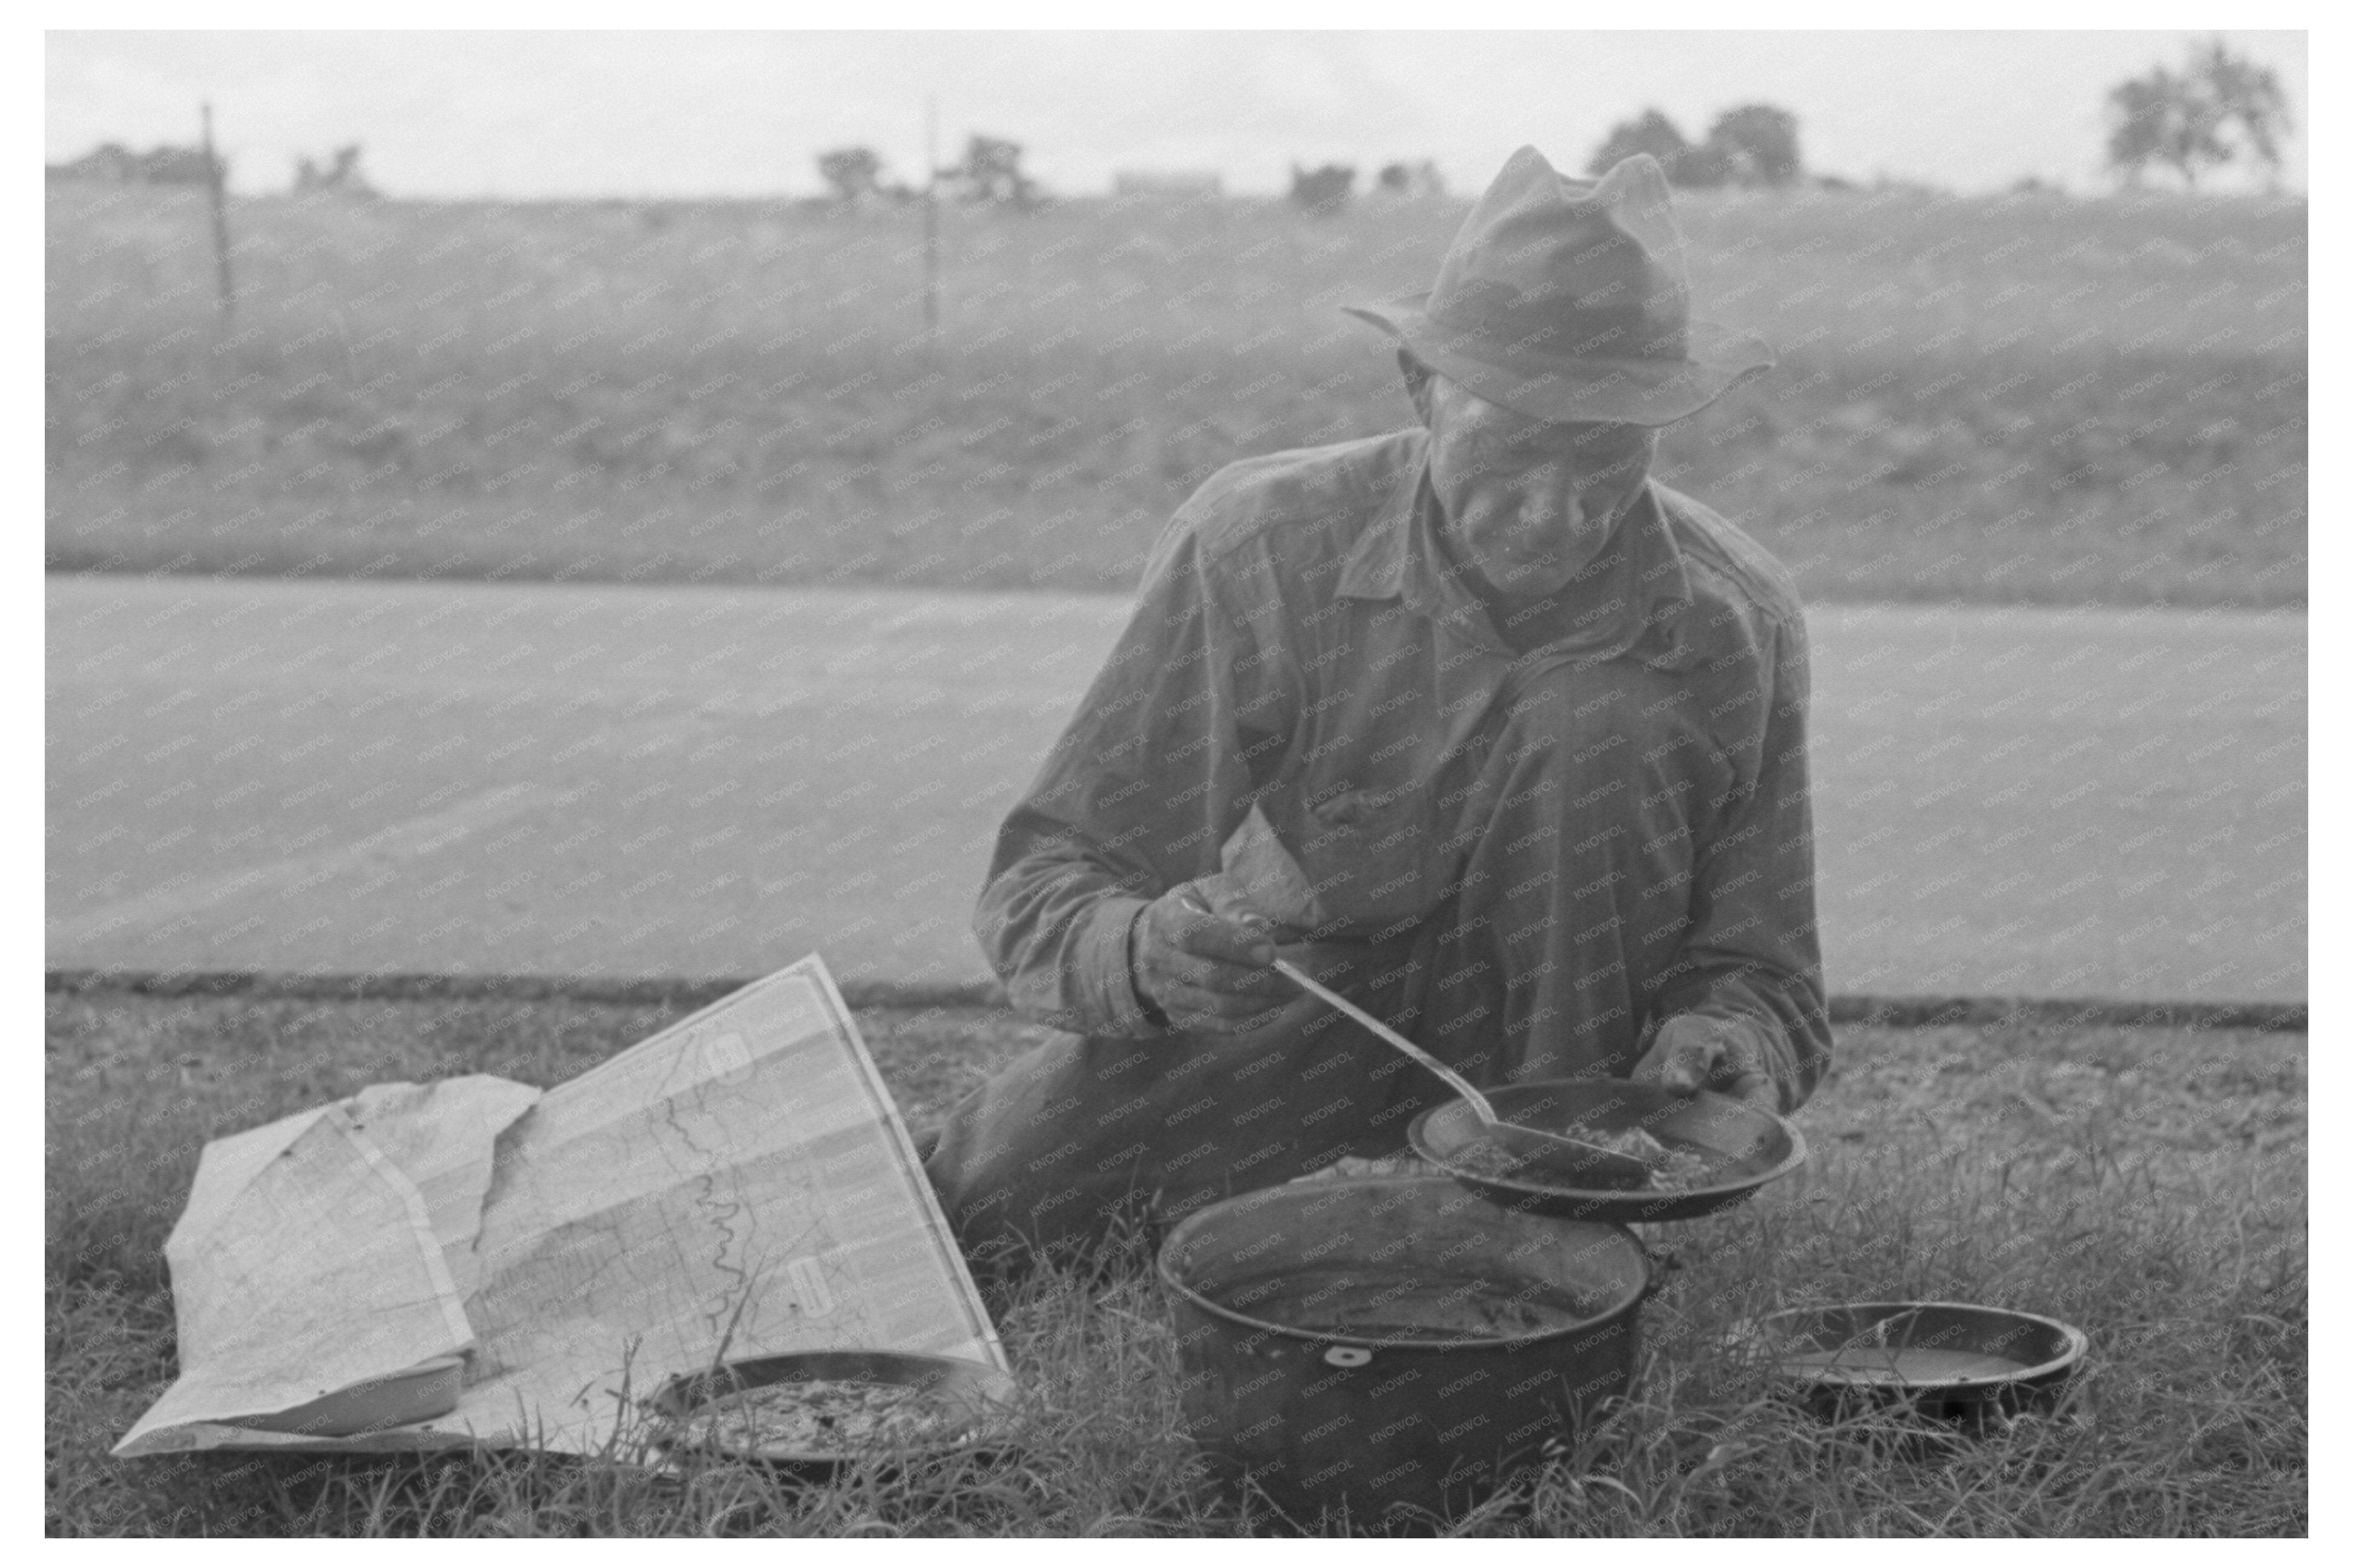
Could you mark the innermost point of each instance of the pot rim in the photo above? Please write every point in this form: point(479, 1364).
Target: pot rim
point(1623, 1309)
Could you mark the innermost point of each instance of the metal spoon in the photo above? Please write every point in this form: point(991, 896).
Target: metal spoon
point(1568, 1157)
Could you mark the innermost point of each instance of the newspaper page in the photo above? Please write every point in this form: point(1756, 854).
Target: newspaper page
point(739, 1183)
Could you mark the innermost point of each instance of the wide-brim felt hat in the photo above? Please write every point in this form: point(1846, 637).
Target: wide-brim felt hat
point(1567, 301)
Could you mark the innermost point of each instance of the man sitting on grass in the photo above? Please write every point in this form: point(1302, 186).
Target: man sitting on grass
point(1474, 721)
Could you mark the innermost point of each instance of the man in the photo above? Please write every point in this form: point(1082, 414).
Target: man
point(1474, 721)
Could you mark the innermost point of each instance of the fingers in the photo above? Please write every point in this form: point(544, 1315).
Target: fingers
point(1742, 1074)
point(1230, 903)
point(1203, 970)
point(1681, 1059)
point(1218, 1012)
point(1233, 991)
point(1177, 966)
point(1689, 1065)
point(1249, 1004)
point(1691, 1053)
point(1226, 941)
point(1197, 947)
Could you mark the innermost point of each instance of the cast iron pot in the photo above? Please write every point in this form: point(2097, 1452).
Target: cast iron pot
point(1385, 1417)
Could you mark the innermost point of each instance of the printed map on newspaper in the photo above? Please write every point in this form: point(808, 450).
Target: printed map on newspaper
point(740, 1179)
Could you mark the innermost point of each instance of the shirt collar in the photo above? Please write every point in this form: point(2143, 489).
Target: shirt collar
point(1398, 556)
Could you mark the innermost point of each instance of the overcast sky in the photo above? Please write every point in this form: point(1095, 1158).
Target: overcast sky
point(589, 114)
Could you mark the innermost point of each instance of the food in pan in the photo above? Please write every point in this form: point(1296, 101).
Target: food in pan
point(1673, 1169)
point(820, 1417)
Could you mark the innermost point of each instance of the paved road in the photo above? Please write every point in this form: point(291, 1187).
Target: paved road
point(699, 782)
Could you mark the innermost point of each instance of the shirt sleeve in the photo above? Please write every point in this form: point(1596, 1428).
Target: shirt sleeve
point(1153, 772)
point(1753, 955)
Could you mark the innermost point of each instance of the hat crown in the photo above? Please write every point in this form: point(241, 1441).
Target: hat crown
point(1563, 267)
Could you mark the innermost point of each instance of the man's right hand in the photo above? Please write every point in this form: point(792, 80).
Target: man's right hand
point(1206, 973)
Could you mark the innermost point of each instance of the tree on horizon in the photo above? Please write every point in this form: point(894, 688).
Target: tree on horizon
point(2220, 108)
point(851, 172)
point(1751, 144)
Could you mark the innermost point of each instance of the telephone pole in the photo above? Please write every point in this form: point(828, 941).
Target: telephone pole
point(931, 222)
point(214, 180)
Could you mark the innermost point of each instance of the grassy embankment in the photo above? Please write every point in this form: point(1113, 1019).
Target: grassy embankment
point(2145, 1185)
point(2021, 399)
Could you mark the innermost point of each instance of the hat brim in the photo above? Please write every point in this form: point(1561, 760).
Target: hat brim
point(1566, 390)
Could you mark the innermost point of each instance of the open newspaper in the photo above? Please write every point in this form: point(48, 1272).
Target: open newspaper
point(739, 1183)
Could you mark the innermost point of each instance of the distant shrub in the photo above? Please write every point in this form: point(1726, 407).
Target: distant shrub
point(115, 163)
point(1753, 144)
point(1759, 145)
point(850, 172)
point(340, 176)
point(1409, 180)
point(991, 171)
point(1649, 132)
point(1321, 193)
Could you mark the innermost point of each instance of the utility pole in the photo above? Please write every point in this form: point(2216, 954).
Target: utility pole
point(214, 180)
point(932, 223)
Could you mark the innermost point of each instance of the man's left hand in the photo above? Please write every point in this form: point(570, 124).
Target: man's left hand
point(1691, 1053)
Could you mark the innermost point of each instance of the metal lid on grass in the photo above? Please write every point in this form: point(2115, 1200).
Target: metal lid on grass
point(1956, 1359)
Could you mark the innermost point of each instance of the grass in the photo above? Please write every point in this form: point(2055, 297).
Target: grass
point(2147, 1185)
point(2028, 397)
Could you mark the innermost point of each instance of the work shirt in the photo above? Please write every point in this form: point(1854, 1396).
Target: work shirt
point(1303, 645)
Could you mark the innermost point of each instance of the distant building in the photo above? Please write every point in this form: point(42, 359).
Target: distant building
point(114, 163)
point(1183, 182)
